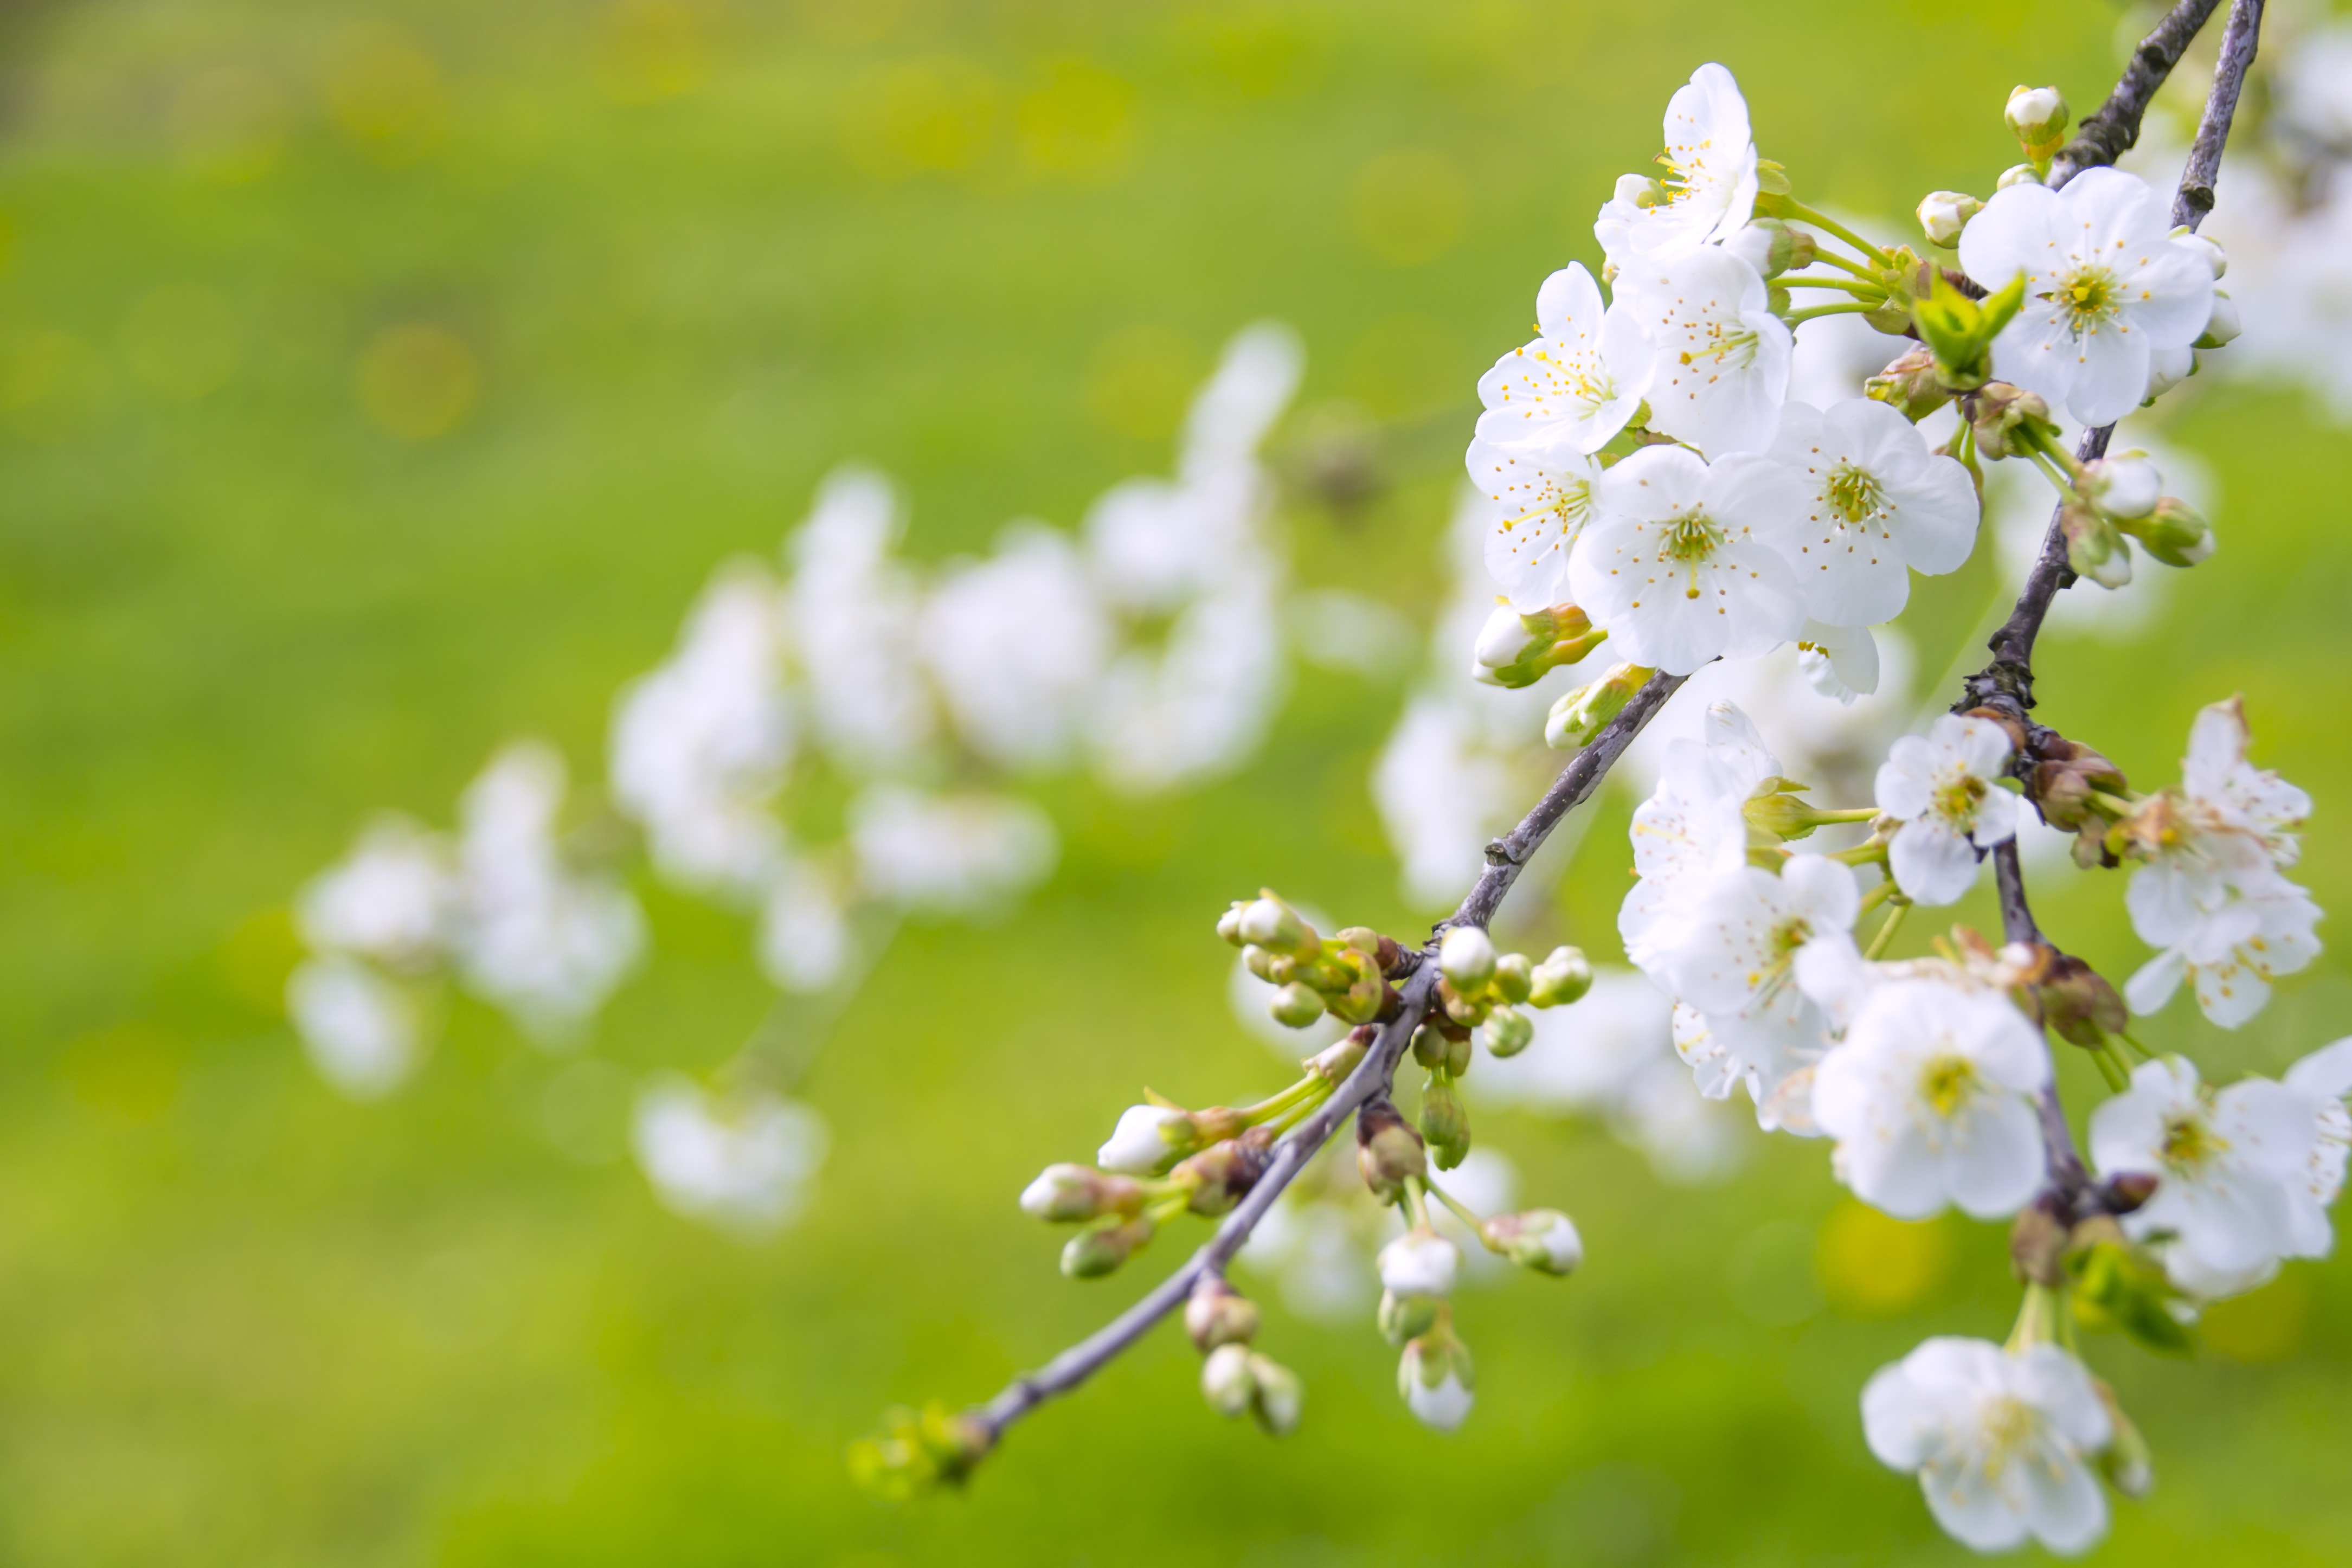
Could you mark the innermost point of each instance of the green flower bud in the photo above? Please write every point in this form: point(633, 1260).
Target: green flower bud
point(2174, 533)
point(1261, 963)
point(1388, 1151)
point(1226, 1382)
point(1403, 1318)
point(1909, 384)
point(921, 1453)
point(1579, 716)
point(1445, 1124)
point(1217, 1314)
point(1509, 1031)
point(1295, 1006)
point(2018, 174)
point(2007, 419)
point(1563, 977)
point(1469, 1012)
point(1334, 1062)
point(1280, 1397)
point(1514, 978)
point(1221, 1175)
point(2078, 1004)
point(1429, 1047)
point(2094, 548)
point(2127, 1462)
point(1457, 1053)
point(1466, 959)
point(1516, 650)
point(2037, 117)
point(1092, 1254)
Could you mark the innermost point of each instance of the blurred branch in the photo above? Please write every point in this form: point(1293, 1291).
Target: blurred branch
point(1505, 858)
point(2005, 686)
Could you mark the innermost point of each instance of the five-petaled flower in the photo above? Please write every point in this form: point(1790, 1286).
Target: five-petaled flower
point(1877, 506)
point(1722, 370)
point(1941, 787)
point(1709, 188)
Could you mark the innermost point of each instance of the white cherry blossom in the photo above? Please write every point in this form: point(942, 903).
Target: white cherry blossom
point(1748, 929)
point(391, 899)
point(1722, 356)
point(1577, 384)
point(1709, 188)
point(1017, 644)
point(742, 1162)
point(1877, 506)
point(1544, 500)
point(959, 853)
point(2105, 288)
point(1941, 787)
point(2230, 954)
point(1689, 831)
point(2000, 1440)
point(2236, 1188)
point(359, 1028)
point(1679, 565)
point(1772, 1047)
point(1931, 1102)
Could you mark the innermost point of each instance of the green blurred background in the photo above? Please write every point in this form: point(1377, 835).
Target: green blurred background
point(379, 381)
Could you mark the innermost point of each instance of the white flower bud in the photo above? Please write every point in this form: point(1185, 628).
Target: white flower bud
point(2208, 251)
point(1508, 1031)
point(2125, 485)
point(1943, 214)
point(1270, 924)
point(2018, 174)
point(1419, 1263)
point(2168, 368)
point(1074, 1192)
point(1226, 1382)
point(1435, 1378)
point(1544, 1240)
point(1466, 959)
point(2037, 115)
point(1281, 1396)
point(1506, 639)
point(2222, 327)
point(1295, 1005)
point(1146, 1139)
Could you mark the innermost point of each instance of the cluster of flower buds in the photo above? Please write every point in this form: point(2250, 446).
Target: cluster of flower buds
point(920, 1451)
point(1478, 987)
point(2109, 1283)
point(1346, 976)
point(1516, 650)
point(1580, 715)
point(1235, 1379)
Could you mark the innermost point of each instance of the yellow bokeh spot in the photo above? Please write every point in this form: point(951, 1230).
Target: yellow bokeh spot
point(417, 380)
point(936, 115)
point(1078, 124)
point(2268, 1324)
point(1875, 1266)
point(387, 94)
point(654, 49)
point(1142, 380)
point(1409, 206)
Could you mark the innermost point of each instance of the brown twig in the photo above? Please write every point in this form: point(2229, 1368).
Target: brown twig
point(2113, 127)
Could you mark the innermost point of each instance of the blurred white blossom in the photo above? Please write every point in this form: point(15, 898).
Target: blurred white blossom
point(742, 1160)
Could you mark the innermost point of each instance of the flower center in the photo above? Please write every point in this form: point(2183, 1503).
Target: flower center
point(1721, 343)
point(1949, 1083)
point(1957, 799)
point(2189, 1144)
point(1855, 494)
point(2010, 1425)
point(2086, 297)
point(1692, 540)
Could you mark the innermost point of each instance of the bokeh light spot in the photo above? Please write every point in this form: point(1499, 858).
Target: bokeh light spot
point(1875, 1266)
point(1079, 124)
point(388, 95)
point(935, 115)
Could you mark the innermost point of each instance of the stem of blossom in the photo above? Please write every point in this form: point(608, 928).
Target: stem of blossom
point(1834, 260)
point(1847, 814)
point(1273, 1105)
point(1476, 1221)
point(1788, 207)
point(1416, 1209)
point(1848, 308)
point(2110, 1068)
point(1789, 281)
point(1877, 894)
point(1886, 937)
point(2141, 1051)
point(2039, 1320)
point(1860, 854)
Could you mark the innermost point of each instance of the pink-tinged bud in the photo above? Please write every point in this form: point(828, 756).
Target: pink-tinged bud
point(1544, 1240)
point(1092, 1254)
point(1066, 1192)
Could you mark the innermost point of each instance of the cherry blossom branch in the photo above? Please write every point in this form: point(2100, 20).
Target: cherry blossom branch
point(2006, 685)
point(1505, 858)
point(2112, 130)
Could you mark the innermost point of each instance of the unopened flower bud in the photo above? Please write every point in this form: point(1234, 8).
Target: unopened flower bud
point(2168, 368)
point(1943, 214)
point(2094, 548)
point(1563, 977)
point(1364, 999)
point(2130, 1190)
point(1275, 926)
point(1772, 247)
point(2066, 779)
point(2127, 1461)
point(2222, 327)
point(2037, 117)
point(1434, 1377)
point(1388, 1151)
point(1228, 924)
point(1544, 1240)
point(1419, 1263)
point(1909, 384)
point(1457, 1053)
point(1467, 1011)
point(1509, 1032)
point(1295, 1006)
point(2205, 249)
point(1261, 963)
point(921, 1452)
point(1217, 1314)
point(1429, 1047)
point(1092, 1254)
point(1516, 650)
point(1225, 1380)
point(1381, 950)
point(1579, 716)
point(1402, 1317)
point(1514, 978)
point(2123, 487)
point(2078, 1005)
point(1065, 1192)
point(2037, 1244)
point(1466, 959)
point(1444, 1123)
point(2018, 174)
point(1148, 1140)
point(1335, 1061)
point(1280, 1398)
point(2008, 419)
point(1221, 1175)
